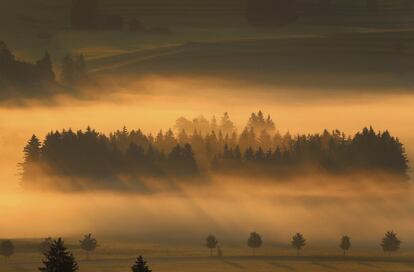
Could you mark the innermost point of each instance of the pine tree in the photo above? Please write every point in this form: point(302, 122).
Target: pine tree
point(59, 259)
point(68, 70)
point(140, 265)
point(45, 245)
point(45, 68)
point(32, 150)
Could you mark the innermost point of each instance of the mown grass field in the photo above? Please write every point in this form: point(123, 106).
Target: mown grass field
point(119, 257)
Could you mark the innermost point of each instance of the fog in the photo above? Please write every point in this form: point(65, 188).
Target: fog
point(228, 207)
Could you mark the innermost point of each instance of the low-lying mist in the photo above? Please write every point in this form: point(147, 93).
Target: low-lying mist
point(320, 207)
point(227, 208)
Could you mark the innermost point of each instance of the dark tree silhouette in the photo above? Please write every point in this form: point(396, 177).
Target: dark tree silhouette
point(6, 249)
point(28, 79)
point(45, 245)
point(58, 259)
point(345, 244)
point(45, 69)
point(298, 241)
point(254, 241)
point(74, 70)
point(259, 123)
point(211, 243)
point(89, 244)
point(140, 265)
point(390, 242)
point(103, 159)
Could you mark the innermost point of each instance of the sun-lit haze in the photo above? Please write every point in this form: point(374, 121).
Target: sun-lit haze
point(275, 210)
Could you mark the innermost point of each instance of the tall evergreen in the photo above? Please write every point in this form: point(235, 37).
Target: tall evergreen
point(59, 259)
point(140, 265)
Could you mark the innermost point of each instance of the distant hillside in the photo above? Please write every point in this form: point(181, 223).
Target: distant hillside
point(211, 12)
point(233, 11)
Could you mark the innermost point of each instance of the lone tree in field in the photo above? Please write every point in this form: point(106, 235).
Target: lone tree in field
point(211, 243)
point(6, 249)
point(254, 241)
point(45, 245)
point(390, 242)
point(58, 259)
point(140, 265)
point(88, 244)
point(345, 244)
point(298, 242)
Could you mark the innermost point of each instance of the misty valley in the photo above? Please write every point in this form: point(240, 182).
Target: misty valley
point(208, 135)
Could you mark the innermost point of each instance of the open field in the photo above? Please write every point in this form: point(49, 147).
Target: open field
point(171, 258)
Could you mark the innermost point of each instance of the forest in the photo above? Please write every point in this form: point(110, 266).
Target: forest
point(211, 147)
point(20, 78)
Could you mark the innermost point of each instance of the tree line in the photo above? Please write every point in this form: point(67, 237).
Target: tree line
point(58, 258)
point(39, 78)
point(21, 73)
point(283, 12)
point(389, 243)
point(133, 154)
point(87, 14)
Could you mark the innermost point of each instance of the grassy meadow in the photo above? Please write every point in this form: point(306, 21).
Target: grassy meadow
point(119, 256)
point(212, 38)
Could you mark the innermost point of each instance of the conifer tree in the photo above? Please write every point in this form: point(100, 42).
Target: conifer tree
point(140, 265)
point(45, 68)
point(59, 259)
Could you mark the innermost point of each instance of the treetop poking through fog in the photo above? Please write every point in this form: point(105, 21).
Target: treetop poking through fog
point(201, 148)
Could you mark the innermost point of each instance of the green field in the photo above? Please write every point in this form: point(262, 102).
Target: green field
point(174, 258)
point(368, 51)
